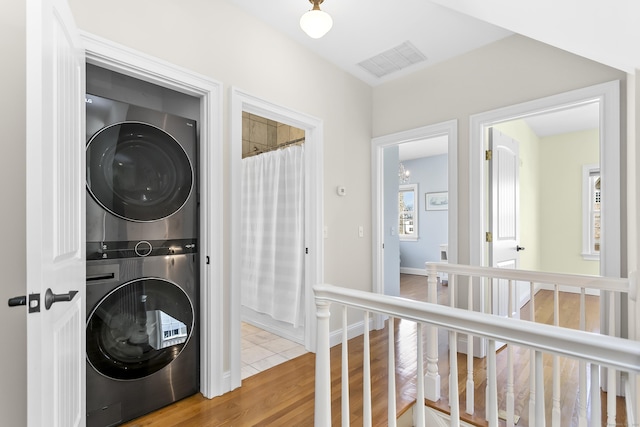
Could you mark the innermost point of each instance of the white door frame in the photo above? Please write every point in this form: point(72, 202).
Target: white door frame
point(112, 56)
point(314, 265)
point(608, 96)
point(378, 144)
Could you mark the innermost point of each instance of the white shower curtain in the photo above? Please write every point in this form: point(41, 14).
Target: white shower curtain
point(273, 234)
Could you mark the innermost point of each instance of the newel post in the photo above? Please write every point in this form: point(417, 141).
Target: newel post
point(322, 415)
point(432, 377)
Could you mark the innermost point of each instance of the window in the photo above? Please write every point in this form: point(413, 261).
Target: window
point(591, 212)
point(408, 212)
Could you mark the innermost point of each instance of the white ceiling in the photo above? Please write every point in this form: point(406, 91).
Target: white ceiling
point(365, 28)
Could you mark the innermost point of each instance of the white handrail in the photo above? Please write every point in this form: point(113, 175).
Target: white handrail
point(575, 280)
point(604, 350)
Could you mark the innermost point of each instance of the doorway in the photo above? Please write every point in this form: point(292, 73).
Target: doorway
point(111, 56)
point(272, 243)
point(244, 103)
point(607, 98)
point(385, 162)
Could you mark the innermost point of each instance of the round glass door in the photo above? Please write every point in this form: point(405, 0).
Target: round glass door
point(138, 172)
point(139, 328)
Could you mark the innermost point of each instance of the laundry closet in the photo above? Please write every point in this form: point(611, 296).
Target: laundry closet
point(142, 247)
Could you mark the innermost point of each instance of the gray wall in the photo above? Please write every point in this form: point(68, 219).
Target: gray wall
point(430, 173)
point(13, 387)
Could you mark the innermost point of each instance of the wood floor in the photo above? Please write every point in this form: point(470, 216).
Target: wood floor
point(284, 395)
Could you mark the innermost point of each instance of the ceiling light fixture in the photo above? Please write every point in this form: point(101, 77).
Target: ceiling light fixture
point(403, 174)
point(315, 22)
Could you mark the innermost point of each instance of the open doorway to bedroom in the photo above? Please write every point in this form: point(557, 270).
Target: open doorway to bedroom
point(430, 196)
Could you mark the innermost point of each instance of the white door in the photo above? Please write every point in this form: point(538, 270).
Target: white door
point(504, 166)
point(55, 217)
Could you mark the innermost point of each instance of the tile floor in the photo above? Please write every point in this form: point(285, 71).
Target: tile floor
point(262, 350)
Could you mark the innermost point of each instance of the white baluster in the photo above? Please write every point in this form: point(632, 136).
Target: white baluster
point(532, 358)
point(510, 392)
point(345, 368)
point(492, 385)
point(432, 380)
point(419, 414)
point(540, 407)
point(366, 375)
point(453, 361)
point(454, 405)
point(322, 416)
point(470, 382)
point(391, 372)
point(582, 402)
point(555, 411)
point(611, 373)
point(596, 410)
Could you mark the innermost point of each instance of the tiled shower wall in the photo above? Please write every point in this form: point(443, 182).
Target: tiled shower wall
point(260, 134)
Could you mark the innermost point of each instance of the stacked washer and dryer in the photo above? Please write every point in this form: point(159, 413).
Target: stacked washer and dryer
point(142, 263)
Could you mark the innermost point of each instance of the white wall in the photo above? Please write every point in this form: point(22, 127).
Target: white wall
point(13, 370)
point(510, 71)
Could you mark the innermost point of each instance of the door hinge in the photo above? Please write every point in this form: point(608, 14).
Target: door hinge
point(488, 155)
point(306, 251)
point(488, 237)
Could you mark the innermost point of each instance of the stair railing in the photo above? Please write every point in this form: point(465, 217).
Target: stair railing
point(597, 350)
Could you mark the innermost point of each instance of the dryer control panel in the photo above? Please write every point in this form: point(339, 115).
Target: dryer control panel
point(142, 248)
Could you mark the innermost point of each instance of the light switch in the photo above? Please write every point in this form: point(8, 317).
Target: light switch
point(361, 231)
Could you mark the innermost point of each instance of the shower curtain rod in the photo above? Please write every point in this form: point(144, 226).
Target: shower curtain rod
point(277, 147)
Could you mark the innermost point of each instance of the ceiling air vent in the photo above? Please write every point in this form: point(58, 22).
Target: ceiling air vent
point(392, 60)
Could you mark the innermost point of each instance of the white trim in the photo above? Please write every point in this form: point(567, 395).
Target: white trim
point(107, 54)
point(378, 144)
point(314, 267)
point(608, 97)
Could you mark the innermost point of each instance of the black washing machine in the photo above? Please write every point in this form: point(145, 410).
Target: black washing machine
point(141, 173)
point(142, 329)
point(142, 264)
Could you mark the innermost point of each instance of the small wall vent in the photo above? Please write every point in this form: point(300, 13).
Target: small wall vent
point(392, 60)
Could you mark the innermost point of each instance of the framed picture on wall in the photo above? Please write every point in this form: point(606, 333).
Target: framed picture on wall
point(436, 201)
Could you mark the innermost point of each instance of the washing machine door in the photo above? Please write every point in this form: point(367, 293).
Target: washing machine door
point(138, 171)
point(139, 328)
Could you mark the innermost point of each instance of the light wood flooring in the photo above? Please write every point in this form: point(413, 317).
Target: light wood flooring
point(284, 394)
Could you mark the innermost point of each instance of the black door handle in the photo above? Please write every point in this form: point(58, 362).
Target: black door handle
point(50, 297)
point(17, 301)
point(519, 248)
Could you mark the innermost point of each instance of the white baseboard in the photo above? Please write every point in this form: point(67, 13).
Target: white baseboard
point(353, 330)
point(415, 271)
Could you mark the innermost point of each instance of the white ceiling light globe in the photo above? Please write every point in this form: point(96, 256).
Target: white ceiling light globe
point(316, 23)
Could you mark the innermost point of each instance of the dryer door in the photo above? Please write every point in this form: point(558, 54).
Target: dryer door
point(139, 328)
point(138, 172)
